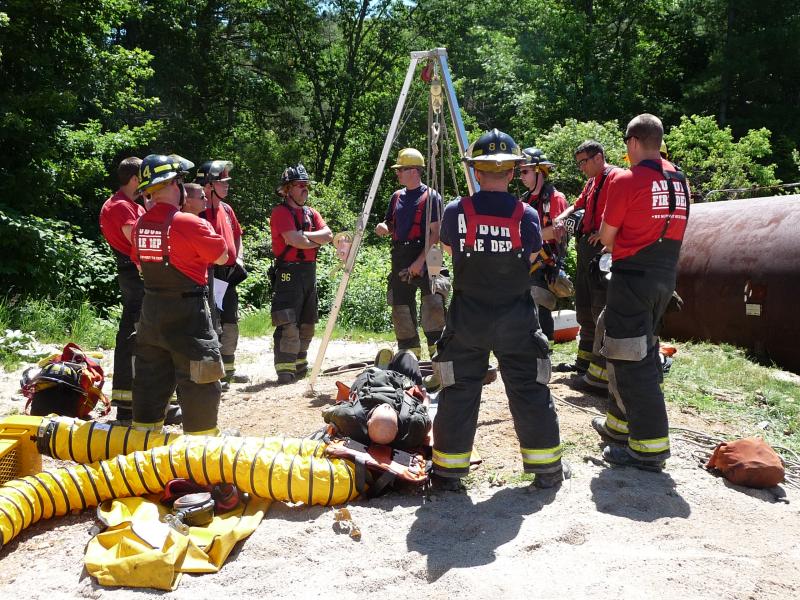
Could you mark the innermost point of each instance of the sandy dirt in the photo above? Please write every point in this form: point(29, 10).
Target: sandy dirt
point(607, 533)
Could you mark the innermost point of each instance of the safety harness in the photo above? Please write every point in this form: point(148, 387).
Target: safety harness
point(589, 218)
point(384, 463)
point(543, 205)
point(671, 177)
point(415, 233)
point(306, 225)
point(474, 220)
point(153, 240)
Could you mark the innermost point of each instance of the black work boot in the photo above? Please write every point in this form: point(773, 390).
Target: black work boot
point(234, 377)
point(284, 377)
point(546, 481)
point(124, 416)
point(600, 426)
point(620, 457)
point(446, 484)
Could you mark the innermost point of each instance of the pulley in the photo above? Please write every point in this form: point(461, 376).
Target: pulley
point(434, 260)
point(436, 94)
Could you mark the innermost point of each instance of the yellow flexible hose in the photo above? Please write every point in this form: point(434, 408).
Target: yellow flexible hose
point(89, 441)
point(282, 469)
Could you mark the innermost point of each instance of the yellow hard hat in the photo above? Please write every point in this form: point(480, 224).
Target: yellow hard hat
point(663, 150)
point(409, 157)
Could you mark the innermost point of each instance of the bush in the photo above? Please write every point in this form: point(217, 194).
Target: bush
point(30, 320)
point(559, 144)
point(364, 305)
point(47, 258)
point(712, 160)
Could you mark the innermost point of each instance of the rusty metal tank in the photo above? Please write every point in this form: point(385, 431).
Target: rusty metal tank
point(739, 277)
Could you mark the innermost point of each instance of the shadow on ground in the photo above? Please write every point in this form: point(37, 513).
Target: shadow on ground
point(453, 532)
point(638, 495)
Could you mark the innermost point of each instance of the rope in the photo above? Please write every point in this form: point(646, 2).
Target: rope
point(408, 111)
point(751, 189)
point(706, 443)
point(450, 158)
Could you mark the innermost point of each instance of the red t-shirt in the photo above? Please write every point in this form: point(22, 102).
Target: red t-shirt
point(281, 221)
point(118, 211)
point(592, 220)
point(193, 245)
point(638, 203)
point(225, 223)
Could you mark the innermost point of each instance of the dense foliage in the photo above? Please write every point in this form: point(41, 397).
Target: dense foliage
point(266, 83)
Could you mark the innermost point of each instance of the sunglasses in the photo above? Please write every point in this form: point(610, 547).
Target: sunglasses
point(406, 169)
point(627, 138)
point(300, 184)
point(583, 161)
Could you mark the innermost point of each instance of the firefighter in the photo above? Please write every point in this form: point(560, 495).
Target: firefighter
point(215, 177)
point(117, 219)
point(298, 231)
point(195, 201)
point(491, 237)
point(590, 290)
point(549, 204)
point(405, 219)
point(175, 340)
point(643, 227)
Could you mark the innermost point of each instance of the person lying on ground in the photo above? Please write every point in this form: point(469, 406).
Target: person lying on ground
point(385, 406)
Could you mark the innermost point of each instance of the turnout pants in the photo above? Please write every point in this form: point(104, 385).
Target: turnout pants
point(638, 295)
point(402, 297)
point(545, 302)
point(132, 288)
point(510, 329)
point(176, 344)
point(294, 314)
point(229, 322)
point(590, 299)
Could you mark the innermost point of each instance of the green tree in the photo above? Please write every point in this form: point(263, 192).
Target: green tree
point(713, 160)
point(560, 142)
point(70, 103)
point(342, 51)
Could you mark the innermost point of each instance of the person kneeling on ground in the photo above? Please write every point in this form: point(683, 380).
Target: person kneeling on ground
point(385, 406)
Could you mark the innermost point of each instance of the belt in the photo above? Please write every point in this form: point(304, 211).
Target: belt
point(632, 272)
point(283, 263)
point(201, 293)
point(399, 243)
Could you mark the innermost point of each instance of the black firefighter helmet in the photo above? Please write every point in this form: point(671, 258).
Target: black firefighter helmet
point(157, 170)
point(214, 170)
point(534, 157)
point(290, 174)
point(493, 151)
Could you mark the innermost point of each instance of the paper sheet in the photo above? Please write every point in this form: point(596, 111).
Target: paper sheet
point(220, 287)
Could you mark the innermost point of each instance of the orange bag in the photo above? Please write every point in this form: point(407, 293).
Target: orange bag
point(750, 462)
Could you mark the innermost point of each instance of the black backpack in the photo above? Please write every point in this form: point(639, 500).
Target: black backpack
point(376, 386)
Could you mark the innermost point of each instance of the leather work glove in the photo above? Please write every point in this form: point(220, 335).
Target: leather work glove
point(405, 276)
